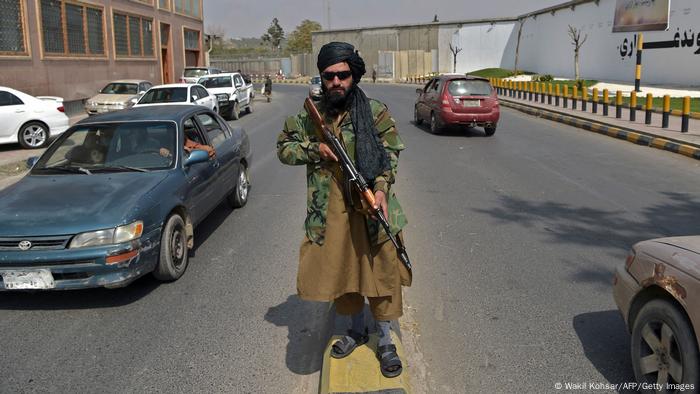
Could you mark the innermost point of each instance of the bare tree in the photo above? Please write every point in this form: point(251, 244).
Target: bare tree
point(577, 42)
point(455, 50)
point(517, 47)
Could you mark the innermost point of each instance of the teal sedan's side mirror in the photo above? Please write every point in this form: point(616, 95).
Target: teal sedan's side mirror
point(32, 161)
point(197, 156)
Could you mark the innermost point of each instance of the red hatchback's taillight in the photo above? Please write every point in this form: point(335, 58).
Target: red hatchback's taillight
point(61, 109)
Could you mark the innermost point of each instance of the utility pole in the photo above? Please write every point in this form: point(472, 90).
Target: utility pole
point(328, 14)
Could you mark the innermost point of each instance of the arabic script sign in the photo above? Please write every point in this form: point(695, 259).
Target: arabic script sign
point(641, 15)
point(685, 39)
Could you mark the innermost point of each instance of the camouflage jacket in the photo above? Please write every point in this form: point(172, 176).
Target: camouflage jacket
point(298, 144)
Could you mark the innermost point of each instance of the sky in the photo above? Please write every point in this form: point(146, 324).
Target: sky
point(252, 18)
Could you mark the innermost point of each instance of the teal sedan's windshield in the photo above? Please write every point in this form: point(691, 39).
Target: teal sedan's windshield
point(127, 146)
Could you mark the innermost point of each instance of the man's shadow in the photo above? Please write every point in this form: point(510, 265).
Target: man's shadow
point(310, 327)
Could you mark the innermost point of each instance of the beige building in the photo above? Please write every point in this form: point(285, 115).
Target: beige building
point(73, 48)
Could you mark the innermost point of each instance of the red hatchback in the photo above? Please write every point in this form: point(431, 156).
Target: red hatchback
point(458, 99)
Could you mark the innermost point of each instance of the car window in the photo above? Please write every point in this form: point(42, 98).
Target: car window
point(215, 82)
point(189, 127)
point(464, 87)
point(164, 95)
point(7, 98)
point(202, 92)
point(213, 129)
point(238, 80)
point(107, 147)
point(194, 95)
point(428, 86)
point(436, 85)
point(316, 80)
point(195, 72)
point(120, 88)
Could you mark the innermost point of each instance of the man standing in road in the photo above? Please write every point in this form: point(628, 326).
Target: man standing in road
point(344, 256)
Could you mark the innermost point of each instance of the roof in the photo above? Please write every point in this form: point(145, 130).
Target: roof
point(129, 81)
point(157, 112)
point(220, 75)
point(174, 85)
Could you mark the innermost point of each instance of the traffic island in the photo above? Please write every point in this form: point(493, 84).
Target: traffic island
point(359, 372)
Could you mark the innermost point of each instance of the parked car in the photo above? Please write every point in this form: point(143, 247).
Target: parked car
point(116, 96)
point(232, 93)
point(117, 197)
point(315, 91)
point(657, 291)
point(30, 120)
point(192, 74)
point(179, 94)
point(459, 100)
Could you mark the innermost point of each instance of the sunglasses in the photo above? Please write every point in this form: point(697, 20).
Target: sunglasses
point(342, 75)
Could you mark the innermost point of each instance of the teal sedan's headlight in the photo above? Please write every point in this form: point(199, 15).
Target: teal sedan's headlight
point(127, 232)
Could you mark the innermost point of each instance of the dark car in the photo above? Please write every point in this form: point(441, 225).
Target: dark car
point(459, 100)
point(117, 196)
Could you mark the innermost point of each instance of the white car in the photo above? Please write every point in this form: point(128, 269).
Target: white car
point(179, 94)
point(30, 120)
point(232, 92)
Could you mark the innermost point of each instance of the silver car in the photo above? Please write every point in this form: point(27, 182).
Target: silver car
point(117, 95)
point(315, 91)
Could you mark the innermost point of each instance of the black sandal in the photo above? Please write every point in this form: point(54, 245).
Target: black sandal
point(389, 361)
point(345, 345)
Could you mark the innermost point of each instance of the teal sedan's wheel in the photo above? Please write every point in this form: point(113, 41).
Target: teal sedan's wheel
point(174, 256)
point(239, 195)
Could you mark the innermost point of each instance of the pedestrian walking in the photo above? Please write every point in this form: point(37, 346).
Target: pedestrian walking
point(344, 256)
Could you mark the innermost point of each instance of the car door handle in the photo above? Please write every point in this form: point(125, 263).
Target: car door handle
point(216, 164)
point(19, 111)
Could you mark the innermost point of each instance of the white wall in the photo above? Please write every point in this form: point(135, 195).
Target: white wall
point(546, 48)
point(484, 45)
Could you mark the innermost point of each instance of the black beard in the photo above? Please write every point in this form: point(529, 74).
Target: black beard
point(334, 101)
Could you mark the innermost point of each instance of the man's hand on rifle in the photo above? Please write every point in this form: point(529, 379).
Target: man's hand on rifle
point(380, 201)
point(326, 152)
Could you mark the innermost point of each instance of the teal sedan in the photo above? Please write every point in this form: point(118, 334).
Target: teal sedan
point(118, 196)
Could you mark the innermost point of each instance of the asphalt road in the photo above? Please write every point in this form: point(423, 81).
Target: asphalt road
point(514, 239)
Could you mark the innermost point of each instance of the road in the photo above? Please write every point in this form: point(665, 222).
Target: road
point(514, 239)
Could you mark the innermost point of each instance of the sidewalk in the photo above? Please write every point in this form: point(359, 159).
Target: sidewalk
point(634, 131)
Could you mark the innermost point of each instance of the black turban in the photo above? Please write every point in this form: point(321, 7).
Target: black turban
point(370, 155)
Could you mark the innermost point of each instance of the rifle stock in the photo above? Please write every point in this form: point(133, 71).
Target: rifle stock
point(354, 176)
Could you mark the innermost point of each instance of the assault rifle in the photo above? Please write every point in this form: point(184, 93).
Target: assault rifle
point(354, 177)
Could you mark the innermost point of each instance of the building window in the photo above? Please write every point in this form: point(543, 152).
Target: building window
point(12, 28)
point(71, 28)
point(164, 4)
point(133, 36)
point(149, 2)
point(191, 40)
point(188, 7)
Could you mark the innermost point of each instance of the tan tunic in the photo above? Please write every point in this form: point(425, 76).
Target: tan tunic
point(347, 262)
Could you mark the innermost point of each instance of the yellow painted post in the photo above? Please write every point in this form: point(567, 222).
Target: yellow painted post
point(549, 96)
point(584, 98)
point(566, 96)
point(685, 117)
point(530, 91)
point(595, 100)
point(543, 90)
point(574, 96)
point(633, 106)
point(638, 67)
point(556, 94)
point(618, 104)
point(648, 108)
point(666, 111)
point(606, 101)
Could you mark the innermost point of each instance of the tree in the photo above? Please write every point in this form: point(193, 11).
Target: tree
point(517, 47)
point(577, 42)
point(455, 50)
point(299, 41)
point(274, 35)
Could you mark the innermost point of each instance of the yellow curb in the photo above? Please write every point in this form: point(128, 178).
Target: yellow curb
point(659, 143)
point(633, 137)
point(686, 150)
point(359, 372)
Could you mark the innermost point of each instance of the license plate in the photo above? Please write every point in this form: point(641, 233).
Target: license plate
point(34, 279)
point(471, 103)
